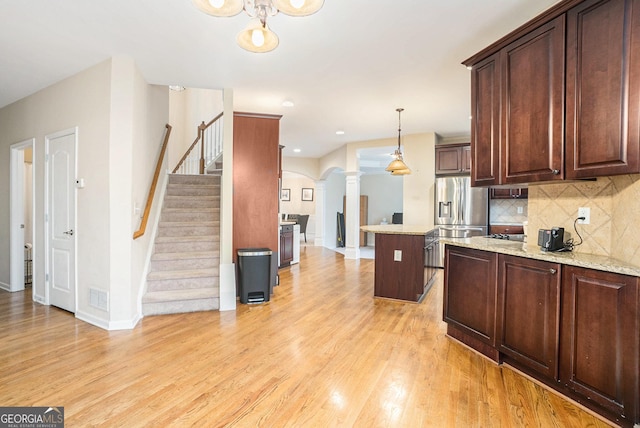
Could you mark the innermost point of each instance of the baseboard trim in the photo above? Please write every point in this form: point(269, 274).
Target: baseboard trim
point(109, 325)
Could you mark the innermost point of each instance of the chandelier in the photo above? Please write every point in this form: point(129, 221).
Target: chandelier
point(257, 36)
point(397, 165)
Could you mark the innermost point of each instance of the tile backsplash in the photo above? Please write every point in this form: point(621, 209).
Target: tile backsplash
point(505, 211)
point(615, 214)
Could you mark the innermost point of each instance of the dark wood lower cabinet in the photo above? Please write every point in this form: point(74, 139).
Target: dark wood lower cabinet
point(400, 267)
point(528, 314)
point(600, 348)
point(470, 296)
point(574, 329)
point(286, 245)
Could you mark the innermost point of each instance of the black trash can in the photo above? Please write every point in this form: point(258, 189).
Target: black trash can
point(253, 276)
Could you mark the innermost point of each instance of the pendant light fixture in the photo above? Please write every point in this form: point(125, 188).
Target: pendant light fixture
point(397, 165)
point(257, 36)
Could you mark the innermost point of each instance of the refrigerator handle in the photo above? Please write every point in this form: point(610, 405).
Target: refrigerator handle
point(461, 201)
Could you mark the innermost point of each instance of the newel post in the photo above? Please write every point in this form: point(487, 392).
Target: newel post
point(201, 136)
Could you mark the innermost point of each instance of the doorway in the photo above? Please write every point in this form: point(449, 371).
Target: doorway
point(22, 205)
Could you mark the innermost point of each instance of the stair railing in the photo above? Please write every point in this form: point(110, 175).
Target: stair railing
point(152, 191)
point(205, 149)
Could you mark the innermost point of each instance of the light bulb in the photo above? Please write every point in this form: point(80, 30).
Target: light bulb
point(297, 3)
point(257, 37)
point(216, 3)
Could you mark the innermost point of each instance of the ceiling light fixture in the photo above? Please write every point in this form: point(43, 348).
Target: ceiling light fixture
point(397, 166)
point(257, 37)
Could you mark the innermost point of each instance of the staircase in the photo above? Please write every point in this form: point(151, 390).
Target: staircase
point(184, 271)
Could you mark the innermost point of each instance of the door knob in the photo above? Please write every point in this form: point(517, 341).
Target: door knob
point(69, 232)
point(552, 271)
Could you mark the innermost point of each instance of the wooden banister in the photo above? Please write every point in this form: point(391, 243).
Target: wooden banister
point(147, 209)
point(186, 154)
point(200, 138)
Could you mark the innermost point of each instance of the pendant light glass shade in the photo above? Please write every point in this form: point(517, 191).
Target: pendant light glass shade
point(299, 7)
point(257, 38)
point(405, 171)
point(220, 7)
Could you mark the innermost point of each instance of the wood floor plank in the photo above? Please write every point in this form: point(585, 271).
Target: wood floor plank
point(322, 353)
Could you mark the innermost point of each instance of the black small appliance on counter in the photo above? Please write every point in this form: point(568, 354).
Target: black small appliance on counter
point(551, 239)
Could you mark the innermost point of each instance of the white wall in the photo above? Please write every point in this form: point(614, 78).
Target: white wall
point(335, 191)
point(188, 109)
point(82, 100)
point(419, 186)
point(108, 104)
point(384, 193)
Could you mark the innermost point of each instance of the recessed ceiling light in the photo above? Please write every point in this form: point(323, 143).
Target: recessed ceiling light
point(339, 132)
point(287, 103)
point(177, 88)
point(296, 150)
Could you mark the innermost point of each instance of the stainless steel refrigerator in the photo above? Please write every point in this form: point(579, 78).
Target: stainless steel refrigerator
point(462, 211)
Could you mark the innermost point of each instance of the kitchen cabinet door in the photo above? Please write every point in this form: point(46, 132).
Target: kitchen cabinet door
point(603, 88)
point(466, 158)
point(600, 340)
point(286, 245)
point(453, 159)
point(470, 295)
point(528, 313)
point(485, 122)
point(532, 77)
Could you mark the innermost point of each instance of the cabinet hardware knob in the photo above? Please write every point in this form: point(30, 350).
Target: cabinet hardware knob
point(552, 271)
point(556, 171)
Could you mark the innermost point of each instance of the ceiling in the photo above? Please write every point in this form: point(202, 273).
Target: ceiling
point(347, 67)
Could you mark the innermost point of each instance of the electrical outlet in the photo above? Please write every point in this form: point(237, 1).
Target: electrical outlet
point(520, 210)
point(397, 255)
point(586, 213)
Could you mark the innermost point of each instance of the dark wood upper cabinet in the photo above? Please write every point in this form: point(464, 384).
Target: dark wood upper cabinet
point(550, 104)
point(532, 104)
point(517, 97)
point(485, 123)
point(528, 314)
point(453, 159)
point(603, 88)
point(600, 344)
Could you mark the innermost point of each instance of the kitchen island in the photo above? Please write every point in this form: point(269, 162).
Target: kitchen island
point(569, 320)
point(402, 268)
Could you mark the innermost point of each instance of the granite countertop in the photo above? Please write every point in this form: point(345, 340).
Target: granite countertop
point(502, 246)
point(396, 229)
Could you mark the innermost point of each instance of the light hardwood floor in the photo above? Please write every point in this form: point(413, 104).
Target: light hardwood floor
point(321, 353)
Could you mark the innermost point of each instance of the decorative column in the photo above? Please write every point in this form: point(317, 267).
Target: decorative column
point(318, 240)
point(352, 217)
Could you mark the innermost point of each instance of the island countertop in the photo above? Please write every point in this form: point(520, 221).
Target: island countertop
point(396, 229)
point(591, 261)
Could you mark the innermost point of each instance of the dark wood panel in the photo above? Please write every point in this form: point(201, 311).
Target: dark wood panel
point(470, 292)
point(286, 245)
point(255, 181)
point(533, 106)
point(600, 340)
point(399, 279)
point(602, 47)
point(485, 122)
point(448, 160)
point(528, 313)
point(500, 228)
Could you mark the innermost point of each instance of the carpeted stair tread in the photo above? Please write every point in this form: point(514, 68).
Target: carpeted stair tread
point(182, 255)
point(173, 295)
point(182, 273)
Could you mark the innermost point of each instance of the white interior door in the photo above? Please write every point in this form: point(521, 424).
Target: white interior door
point(60, 218)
